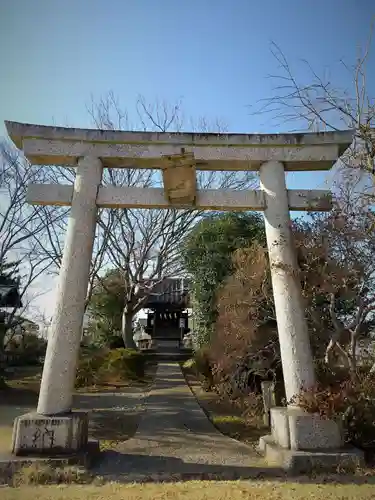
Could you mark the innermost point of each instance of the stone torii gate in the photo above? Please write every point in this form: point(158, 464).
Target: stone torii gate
point(178, 155)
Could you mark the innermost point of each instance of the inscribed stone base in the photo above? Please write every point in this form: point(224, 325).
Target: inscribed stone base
point(311, 432)
point(293, 428)
point(304, 462)
point(35, 434)
point(301, 442)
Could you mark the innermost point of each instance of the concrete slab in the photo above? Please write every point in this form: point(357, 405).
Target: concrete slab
point(301, 462)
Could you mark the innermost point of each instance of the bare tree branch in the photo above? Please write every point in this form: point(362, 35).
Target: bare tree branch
point(144, 244)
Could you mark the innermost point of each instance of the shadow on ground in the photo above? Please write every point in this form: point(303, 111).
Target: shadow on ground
point(141, 468)
point(18, 396)
point(113, 426)
point(114, 411)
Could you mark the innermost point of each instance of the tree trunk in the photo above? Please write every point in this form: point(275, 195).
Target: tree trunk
point(3, 384)
point(127, 328)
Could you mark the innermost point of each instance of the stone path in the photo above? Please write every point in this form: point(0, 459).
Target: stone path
point(175, 440)
point(112, 416)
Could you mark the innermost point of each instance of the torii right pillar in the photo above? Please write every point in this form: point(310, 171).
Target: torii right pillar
point(294, 339)
point(299, 441)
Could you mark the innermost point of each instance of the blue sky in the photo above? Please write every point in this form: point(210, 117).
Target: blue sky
point(214, 54)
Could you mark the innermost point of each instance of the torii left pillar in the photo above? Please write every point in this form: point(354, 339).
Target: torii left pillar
point(55, 428)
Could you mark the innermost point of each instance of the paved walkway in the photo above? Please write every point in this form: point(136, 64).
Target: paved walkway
point(175, 440)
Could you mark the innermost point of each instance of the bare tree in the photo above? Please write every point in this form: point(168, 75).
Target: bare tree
point(319, 104)
point(352, 240)
point(50, 240)
point(144, 244)
point(21, 226)
point(338, 276)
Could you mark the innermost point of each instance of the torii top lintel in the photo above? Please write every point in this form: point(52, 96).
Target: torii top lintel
point(47, 145)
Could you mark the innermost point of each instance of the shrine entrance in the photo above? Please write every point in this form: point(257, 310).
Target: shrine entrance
point(178, 156)
point(168, 317)
point(167, 324)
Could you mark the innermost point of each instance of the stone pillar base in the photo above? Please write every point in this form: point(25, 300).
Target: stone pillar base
point(301, 442)
point(35, 434)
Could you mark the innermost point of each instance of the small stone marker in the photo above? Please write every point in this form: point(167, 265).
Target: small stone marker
point(269, 401)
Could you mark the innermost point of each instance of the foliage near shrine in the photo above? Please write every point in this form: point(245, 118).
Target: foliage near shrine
point(26, 349)
point(207, 252)
point(244, 344)
point(336, 271)
point(102, 366)
point(9, 277)
point(23, 229)
point(106, 308)
point(338, 282)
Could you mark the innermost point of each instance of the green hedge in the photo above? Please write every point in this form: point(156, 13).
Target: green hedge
point(127, 362)
point(98, 366)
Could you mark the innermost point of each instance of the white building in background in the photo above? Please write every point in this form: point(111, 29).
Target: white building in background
point(45, 328)
point(141, 317)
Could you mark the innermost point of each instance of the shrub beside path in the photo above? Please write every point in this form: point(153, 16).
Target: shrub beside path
point(175, 440)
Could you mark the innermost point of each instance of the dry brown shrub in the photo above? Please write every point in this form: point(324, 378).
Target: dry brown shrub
point(337, 294)
point(243, 303)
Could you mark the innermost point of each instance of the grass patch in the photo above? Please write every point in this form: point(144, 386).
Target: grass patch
point(18, 398)
point(197, 490)
point(228, 419)
point(115, 384)
point(23, 384)
point(189, 364)
point(102, 365)
point(5, 438)
point(42, 474)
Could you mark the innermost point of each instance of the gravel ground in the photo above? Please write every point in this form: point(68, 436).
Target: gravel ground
point(160, 434)
point(176, 440)
point(113, 416)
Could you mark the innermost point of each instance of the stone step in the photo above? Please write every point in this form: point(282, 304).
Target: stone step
point(301, 462)
point(162, 355)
